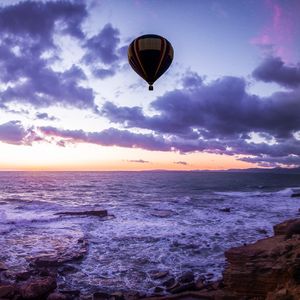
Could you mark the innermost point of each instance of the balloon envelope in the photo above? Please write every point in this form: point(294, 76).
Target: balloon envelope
point(150, 56)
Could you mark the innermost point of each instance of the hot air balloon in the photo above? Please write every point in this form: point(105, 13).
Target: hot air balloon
point(150, 56)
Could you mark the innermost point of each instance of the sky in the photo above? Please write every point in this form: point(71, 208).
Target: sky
point(70, 101)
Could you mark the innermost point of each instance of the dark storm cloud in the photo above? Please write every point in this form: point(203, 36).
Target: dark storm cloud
point(219, 117)
point(273, 69)
point(109, 137)
point(26, 35)
point(35, 21)
point(221, 108)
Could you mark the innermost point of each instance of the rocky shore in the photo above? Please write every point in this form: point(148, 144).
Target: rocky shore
point(267, 269)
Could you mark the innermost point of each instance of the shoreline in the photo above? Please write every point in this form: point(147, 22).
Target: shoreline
point(266, 269)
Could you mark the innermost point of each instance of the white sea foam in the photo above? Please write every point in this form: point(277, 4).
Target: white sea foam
point(124, 251)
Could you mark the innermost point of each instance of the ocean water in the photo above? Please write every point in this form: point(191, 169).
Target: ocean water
point(163, 221)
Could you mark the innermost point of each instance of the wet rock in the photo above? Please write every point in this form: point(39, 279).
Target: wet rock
point(3, 267)
point(102, 296)
point(225, 209)
point(159, 289)
point(159, 275)
point(7, 291)
point(22, 276)
point(295, 195)
point(66, 269)
point(38, 288)
point(200, 283)
point(163, 213)
point(70, 293)
point(118, 295)
point(57, 296)
point(183, 288)
point(170, 283)
point(95, 213)
point(282, 228)
point(262, 231)
point(187, 277)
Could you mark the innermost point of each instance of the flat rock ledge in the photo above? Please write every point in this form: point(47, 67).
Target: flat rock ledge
point(267, 269)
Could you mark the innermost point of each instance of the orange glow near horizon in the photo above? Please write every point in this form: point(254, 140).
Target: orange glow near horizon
point(87, 157)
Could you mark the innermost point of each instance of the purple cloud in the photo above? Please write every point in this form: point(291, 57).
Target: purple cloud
point(140, 161)
point(219, 117)
point(221, 108)
point(103, 46)
point(45, 116)
point(26, 33)
point(273, 69)
point(180, 163)
point(109, 137)
point(13, 132)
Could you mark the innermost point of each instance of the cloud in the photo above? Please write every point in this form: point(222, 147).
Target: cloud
point(273, 69)
point(108, 137)
point(141, 161)
point(103, 48)
point(215, 110)
point(27, 32)
point(180, 163)
point(13, 132)
point(220, 117)
point(45, 116)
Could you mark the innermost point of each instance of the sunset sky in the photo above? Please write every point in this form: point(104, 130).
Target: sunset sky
point(70, 101)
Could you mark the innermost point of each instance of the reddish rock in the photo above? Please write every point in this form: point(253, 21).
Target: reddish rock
point(38, 288)
point(7, 291)
point(283, 228)
point(265, 267)
point(160, 275)
point(57, 296)
point(3, 267)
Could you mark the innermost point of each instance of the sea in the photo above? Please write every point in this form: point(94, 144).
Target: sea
point(160, 221)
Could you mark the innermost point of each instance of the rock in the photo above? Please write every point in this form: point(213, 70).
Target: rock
point(66, 269)
point(282, 228)
point(38, 288)
point(295, 195)
point(170, 283)
point(70, 293)
point(102, 296)
point(95, 213)
point(3, 267)
point(118, 295)
point(257, 269)
point(22, 276)
point(160, 275)
point(57, 296)
point(200, 283)
point(163, 213)
point(182, 288)
point(187, 277)
point(225, 209)
point(159, 289)
point(7, 291)
point(262, 231)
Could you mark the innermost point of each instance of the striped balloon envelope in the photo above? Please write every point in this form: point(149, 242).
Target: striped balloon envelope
point(150, 56)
